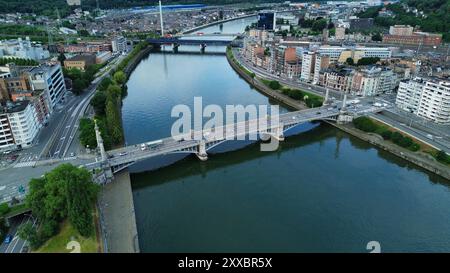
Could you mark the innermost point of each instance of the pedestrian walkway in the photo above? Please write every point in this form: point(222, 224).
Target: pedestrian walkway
point(25, 164)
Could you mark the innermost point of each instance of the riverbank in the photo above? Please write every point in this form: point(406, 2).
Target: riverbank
point(119, 220)
point(420, 159)
point(261, 87)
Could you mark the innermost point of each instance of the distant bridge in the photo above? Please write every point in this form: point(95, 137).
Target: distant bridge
point(179, 41)
point(117, 160)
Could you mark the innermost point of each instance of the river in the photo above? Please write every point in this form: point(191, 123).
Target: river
point(321, 191)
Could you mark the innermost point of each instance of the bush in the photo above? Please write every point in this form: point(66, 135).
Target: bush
point(365, 124)
point(275, 85)
point(4, 209)
point(443, 157)
point(386, 135)
point(414, 147)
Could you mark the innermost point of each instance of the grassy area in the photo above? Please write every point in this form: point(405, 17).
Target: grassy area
point(58, 243)
point(395, 136)
point(310, 99)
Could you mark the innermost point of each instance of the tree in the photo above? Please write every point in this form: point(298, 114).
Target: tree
point(319, 25)
point(113, 121)
point(104, 84)
point(28, 233)
point(443, 157)
point(87, 133)
point(78, 86)
point(61, 58)
point(350, 61)
point(99, 102)
point(114, 91)
point(36, 197)
point(81, 194)
point(84, 33)
point(386, 134)
point(377, 37)
point(368, 60)
point(65, 192)
point(4, 209)
point(275, 85)
point(120, 77)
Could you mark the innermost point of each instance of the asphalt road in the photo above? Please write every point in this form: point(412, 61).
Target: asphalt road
point(63, 136)
point(17, 245)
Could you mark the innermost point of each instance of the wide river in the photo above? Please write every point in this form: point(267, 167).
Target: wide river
point(321, 191)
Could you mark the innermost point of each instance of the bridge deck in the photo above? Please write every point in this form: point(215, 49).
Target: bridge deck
point(188, 143)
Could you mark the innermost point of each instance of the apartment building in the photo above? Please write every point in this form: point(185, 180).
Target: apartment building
point(337, 53)
point(322, 62)
point(428, 98)
point(23, 121)
point(6, 136)
point(49, 80)
point(119, 44)
point(373, 81)
point(308, 66)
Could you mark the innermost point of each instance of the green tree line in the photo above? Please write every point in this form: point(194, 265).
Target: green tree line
point(18, 61)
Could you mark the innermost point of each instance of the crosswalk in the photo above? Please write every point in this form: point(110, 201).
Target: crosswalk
point(33, 163)
point(25, 164)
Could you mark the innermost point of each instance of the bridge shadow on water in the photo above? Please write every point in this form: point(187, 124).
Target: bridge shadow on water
point(236, 152)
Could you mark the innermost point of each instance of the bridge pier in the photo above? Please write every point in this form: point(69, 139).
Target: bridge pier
point(202, 48)
point(201, 154)
point(175, 48)
point(278, 134)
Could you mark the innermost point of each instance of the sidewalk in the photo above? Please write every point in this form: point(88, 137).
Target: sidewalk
point(117, 216)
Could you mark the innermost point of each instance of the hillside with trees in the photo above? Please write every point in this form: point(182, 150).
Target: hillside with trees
point(47, 7)
point(431, 15)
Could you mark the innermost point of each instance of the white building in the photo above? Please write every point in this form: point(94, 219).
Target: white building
point(119, 44)
point(427, 98)
point(6, 136)
point(23, 123)
point(49, 78)
point(335, 52)
point(308, 66)
point(23, 49)
point(408, 94)
point(373, 81)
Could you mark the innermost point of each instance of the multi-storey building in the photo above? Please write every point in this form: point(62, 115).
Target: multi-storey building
point(409, 93)
point(336, 78)
point(337, 53)
point(322, 62)
point(49, 79)
point(119, 44)
point(427, 98)
point(373, 81)
point(401, 30)
point(6, 136)
point(23, 121)
point(308, 66)
point(417, 38)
